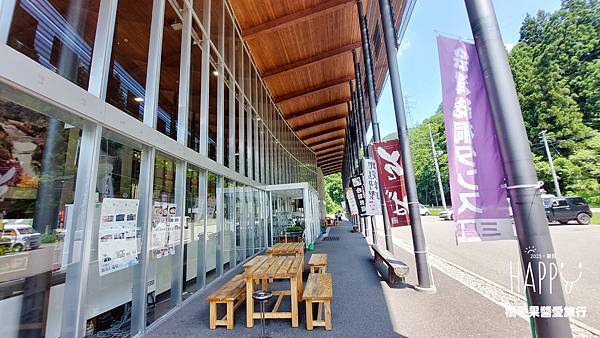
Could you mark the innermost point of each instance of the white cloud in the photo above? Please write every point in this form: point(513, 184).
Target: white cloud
point(509, 46)
point(404, 45)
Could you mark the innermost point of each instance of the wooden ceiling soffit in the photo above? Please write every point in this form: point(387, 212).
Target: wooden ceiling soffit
point(330, 150)
point(322, 132)
point(329, 166)
point(317, 88)
point(310, 60)
point(330, 162)
point(318, 108)
point(328, 144)
point(294, 18)
point(319, 123)
point(323, 138)
point(329, 157)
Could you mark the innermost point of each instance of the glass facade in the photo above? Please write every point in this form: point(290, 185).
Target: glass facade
point(142, 183)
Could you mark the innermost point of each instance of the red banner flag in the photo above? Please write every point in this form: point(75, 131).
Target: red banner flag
point(391, 181)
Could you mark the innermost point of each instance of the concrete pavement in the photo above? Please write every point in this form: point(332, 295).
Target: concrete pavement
point(575, 246)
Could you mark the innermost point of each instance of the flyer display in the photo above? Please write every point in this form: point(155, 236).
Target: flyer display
point(166, 229)
point(117, 235)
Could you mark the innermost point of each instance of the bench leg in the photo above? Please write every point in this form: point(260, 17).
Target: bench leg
point(309, 315)
point(230, 314)
point(327, 315)
point(213, 315)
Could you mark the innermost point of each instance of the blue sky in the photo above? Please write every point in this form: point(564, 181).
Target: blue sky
point(418, 58)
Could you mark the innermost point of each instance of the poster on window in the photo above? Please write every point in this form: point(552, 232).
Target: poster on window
point(477, 179)
point(166, 229)
point(358, 189)
point(351, 201)
point(391, 180)
point(371, 183)
point(117, 235)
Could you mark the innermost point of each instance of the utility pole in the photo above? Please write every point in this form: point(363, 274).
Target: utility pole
point(522, 182)
point(437, 167)
point(420, 248)
point(551, 162)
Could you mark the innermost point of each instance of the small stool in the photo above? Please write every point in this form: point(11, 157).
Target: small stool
point(262, 296)
point(318, 262)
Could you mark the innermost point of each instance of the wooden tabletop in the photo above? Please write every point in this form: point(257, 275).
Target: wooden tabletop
point(317, 260)
point(283, 248)
point(275, 267)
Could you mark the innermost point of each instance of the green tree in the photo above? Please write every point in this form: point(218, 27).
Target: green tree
point(334, 193)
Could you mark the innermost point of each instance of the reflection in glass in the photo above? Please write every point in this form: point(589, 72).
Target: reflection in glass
point(38, 164)
point(195, 97)
point(129, 60)
point(229, 225)
point(168, 97)
point(212, 110)
point(193, 235)
point(58, 34)
point(165, 237)
point(211, 228)
point(108, 298)
point(240, 225)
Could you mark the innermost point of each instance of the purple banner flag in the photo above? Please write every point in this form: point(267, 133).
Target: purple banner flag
point(477, 179)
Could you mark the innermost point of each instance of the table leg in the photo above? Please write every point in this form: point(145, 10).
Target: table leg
point(294, 300)
point(300, 286)
point(249, 302)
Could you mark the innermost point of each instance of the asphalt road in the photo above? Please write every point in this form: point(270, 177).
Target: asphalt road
point(573, 244)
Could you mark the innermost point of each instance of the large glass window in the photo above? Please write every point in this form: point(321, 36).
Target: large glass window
point(193, 235)
point(195, 90)
point(250, 221)
point(229, 37)
point(240, 223)
point(38, 166)
point(116, 239)
point(229, 225)
point(238, 127)
point(59, 34)
point(216, 22)
point(212, 233)
point(129, 61)
point(212, 107)
point(226, 118)
point(165, 238)
point(168, 94)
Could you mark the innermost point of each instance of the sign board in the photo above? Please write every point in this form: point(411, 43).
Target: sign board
point(358, 189)
point(371, 184)
point(391, 180)
point(477, 178)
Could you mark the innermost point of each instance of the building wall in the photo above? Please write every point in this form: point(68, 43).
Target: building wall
point(136, 138)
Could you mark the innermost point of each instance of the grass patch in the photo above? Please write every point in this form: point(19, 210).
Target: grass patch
point(595, 218)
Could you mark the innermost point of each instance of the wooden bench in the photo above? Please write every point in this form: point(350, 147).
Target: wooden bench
point(318, 261)
point(318, 290)
point(396, 268)
point(233, 294)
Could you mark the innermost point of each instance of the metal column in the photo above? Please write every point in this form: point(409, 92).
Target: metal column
point(418, 237)
point(374, 120)
point(525, 199)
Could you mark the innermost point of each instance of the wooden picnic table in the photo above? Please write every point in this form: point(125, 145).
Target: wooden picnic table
point(287, 249)
point(269, 268)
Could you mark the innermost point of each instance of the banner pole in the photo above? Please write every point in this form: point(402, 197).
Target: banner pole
point(364, 33)
point(528, 211)
point(420, 248)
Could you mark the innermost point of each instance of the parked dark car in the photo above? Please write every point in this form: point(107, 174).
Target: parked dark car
point(565, 209)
